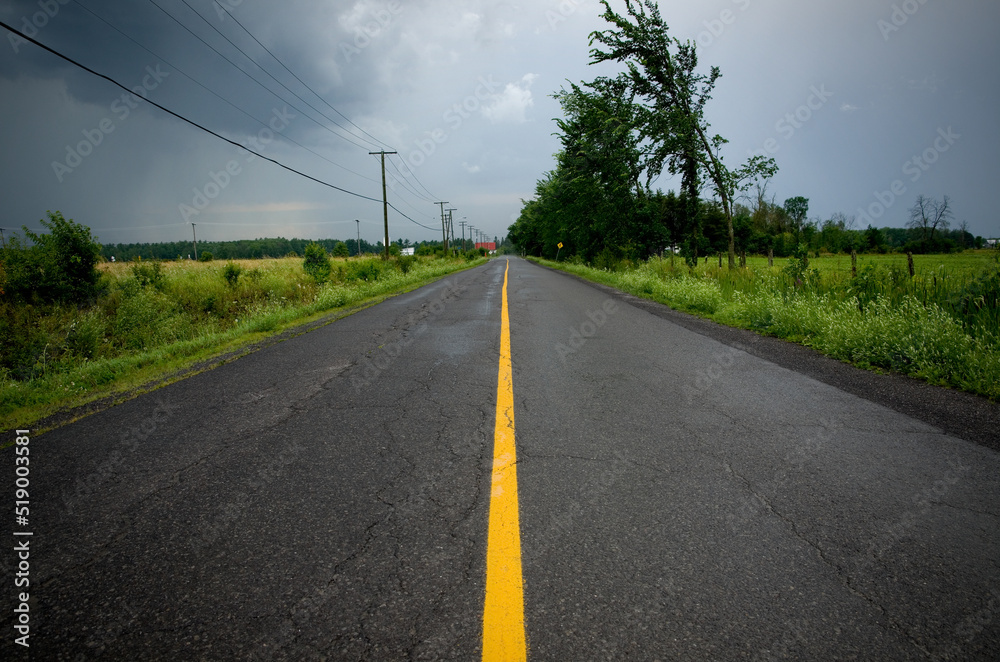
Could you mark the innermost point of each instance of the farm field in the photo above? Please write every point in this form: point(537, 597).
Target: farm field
point(156, 319)
point(941, 325)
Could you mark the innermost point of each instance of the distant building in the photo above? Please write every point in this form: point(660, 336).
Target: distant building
point(490, 246)
point(406, 251)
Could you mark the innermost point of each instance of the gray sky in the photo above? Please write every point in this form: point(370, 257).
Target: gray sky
point(864, 104)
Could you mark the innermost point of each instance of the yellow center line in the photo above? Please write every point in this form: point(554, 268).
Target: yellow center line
point(503, 615)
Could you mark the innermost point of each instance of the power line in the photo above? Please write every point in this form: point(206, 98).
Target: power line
point(251, 77)
point(417, 180)
point(247, 56)
point(181, 117)
point(407, 187)
point(403, 181)
point(214, 93)
point(276, 59)
point(427, 227)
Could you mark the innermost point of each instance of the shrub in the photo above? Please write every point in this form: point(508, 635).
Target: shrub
point(405, 262)
point(22, 339)
point(316, 263)
point(58, 266)
point(148, 273)
point(367, 270)
point(340, 250)
point(85, 335)
point(231, 272)
point(205, 257)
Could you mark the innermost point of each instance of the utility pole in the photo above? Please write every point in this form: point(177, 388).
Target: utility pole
point(462, 223)
point(444, 237)
point(194, 237)
point(385, 202)
point(449, 232)
point(359, 236)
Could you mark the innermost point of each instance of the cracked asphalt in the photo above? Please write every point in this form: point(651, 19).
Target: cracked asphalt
point(686, 492)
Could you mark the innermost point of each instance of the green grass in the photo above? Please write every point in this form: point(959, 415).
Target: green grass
point(153, 322)
point(942, 325)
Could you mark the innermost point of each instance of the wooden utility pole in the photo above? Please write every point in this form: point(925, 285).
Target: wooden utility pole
point(194, 239)
point(449, 233)
point(385, 203)
point(444, 235)
point(359, 236)
point(462, 223)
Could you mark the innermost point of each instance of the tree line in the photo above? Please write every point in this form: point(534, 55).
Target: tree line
point(619, 134)
point(245, 249)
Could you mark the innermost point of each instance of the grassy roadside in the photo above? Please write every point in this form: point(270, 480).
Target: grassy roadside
point(156, 325)
point(938, 327)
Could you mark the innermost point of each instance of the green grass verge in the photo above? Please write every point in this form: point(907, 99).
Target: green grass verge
point(875, 320)
point(149, 336)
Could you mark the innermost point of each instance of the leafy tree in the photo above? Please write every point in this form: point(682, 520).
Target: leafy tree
point(340, 250)
point(671, 98)
point(60, 265)
point(874, 240)
point(797, 209)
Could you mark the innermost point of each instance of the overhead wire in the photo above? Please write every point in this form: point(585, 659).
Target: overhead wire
point(249, 75)
point(407, 185)
point(216, 94)
point(181, 117)
point(272, 77)
point(304, 84)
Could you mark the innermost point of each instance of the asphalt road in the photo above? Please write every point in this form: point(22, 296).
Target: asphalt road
point(686, 493)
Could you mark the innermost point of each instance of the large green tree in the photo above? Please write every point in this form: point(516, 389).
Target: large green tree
point(663, 80)
point(594, 201)
point(58, 265)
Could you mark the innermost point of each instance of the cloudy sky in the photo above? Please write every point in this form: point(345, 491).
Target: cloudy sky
point(863, 103)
